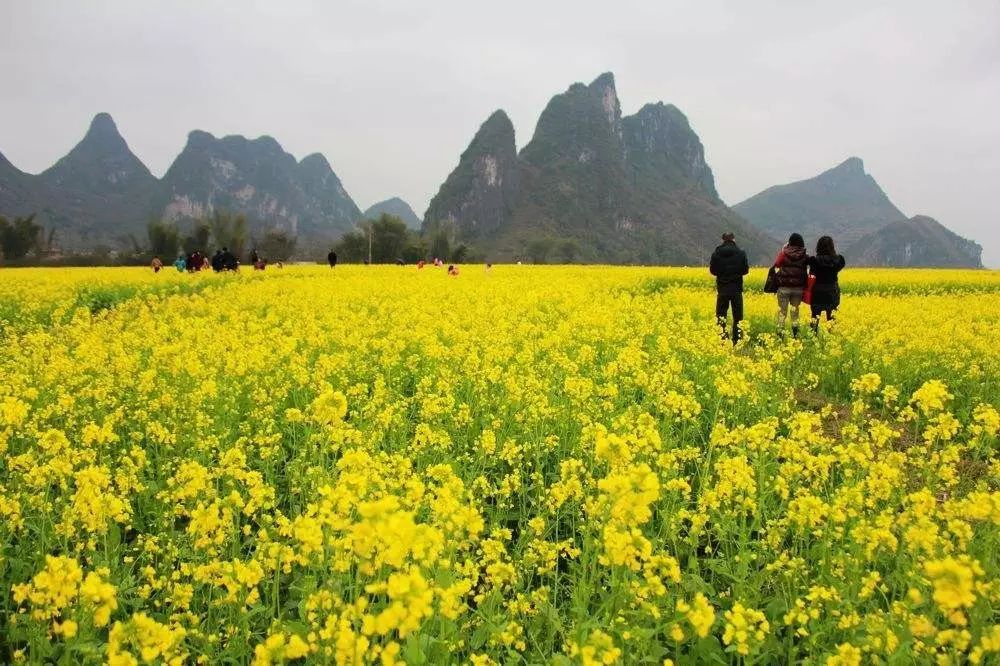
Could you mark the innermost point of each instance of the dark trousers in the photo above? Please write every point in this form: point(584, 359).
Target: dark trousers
point(729, 298)
point(817, 310)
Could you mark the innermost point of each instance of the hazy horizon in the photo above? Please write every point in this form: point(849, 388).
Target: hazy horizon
point(391, 93)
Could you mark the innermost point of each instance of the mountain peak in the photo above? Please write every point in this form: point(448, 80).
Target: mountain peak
point(499, 119)
point(104, 135)
point(852, 165)
point(604, 80)
point(661, 145)
point(397, 208)
point(103, 122)
point(479, 194)
point(844, 202)
point(101, 162)
point(315, 162)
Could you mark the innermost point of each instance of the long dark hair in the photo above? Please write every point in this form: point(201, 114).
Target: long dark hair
point(795, 240)
point(824, 246)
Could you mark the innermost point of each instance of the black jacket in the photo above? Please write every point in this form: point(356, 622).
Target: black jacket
point(825, 268)
point(729, 264)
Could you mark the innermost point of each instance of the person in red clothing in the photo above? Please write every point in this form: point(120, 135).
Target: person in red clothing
point(791, 271)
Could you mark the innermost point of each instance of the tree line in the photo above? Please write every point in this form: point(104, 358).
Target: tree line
point(387, 240)
point(221, 229)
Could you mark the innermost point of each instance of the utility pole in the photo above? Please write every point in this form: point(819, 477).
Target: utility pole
point(370, 225)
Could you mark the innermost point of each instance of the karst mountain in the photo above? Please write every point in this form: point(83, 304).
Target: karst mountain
point(101, 194)
point(847, 203)
point(393, 206)
point(591, 185)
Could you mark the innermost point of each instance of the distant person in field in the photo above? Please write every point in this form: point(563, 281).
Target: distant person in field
point(453, 270)
point(331, 258)
point(180, 264)
point(254, 257)
point(217, 261)
point(729, 264)
point(156, 264)
point(825, 265)
point(229, 261)
point(205, 263)
point(791, 272)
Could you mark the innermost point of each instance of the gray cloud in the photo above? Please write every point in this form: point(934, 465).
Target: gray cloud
point(391, 92)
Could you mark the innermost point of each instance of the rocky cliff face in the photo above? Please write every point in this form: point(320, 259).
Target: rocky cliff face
point(478, 197)
point(623, 190)
point(100, 193)
point(259, 179)
point(919, 242)
point(662, 148)
point(843, 202)
point(397, 208)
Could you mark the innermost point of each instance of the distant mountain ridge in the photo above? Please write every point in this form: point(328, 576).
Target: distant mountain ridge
point(590, 185)
point(397, 208)
point(100, 193)
point(844, 202)
point(602, 187)
point(919, 242)
point(848, 204)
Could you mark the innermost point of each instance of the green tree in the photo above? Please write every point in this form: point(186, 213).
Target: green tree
point(539, 248)
point(460, 254)
point(568, 251)
point(276, 245)
point(416, 248)
point(229, 231)
point(352, 247)
point(389, 236)
point(164, 238)
point(201, 231)
point(19, 237)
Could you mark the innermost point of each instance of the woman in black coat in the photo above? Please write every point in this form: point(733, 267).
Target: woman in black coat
point(826, 290)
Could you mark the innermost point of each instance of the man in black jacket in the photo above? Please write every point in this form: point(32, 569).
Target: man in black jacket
point(729, 264)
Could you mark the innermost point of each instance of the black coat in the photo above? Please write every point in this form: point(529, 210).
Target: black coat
point(729, 264)
point(826, 267)
point(826, 290)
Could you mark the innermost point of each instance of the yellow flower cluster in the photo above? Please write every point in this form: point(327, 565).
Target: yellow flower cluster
point(381, 465)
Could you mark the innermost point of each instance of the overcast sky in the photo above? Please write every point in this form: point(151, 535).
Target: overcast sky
point(392, 92)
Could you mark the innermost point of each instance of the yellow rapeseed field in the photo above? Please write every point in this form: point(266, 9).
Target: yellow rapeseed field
point(373, 465)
